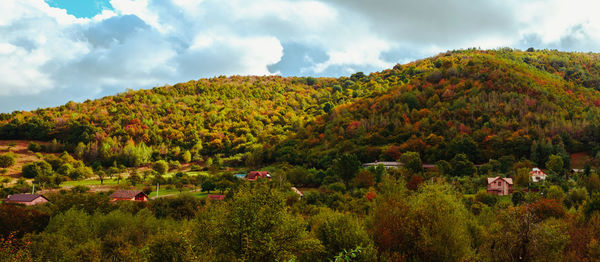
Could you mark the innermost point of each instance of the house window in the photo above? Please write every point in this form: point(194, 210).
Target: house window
point(499, 183)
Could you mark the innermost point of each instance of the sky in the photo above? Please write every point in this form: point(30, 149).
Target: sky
point(56, 51)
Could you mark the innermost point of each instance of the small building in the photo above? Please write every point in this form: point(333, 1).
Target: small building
point(537, 175)
point(253, 175)
point(216, 197)
point(297, 191)
point(129, 195)
point(240, 176)
point(26, 199)
point(387, 165)
point(499, 186)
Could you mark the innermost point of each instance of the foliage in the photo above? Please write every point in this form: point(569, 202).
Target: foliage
point(7, 160)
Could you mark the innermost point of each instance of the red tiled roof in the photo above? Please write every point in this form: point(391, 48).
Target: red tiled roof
point(23, 197)
point(216, 197)
point(257, 174)
point(507, 179)
point(126, 194)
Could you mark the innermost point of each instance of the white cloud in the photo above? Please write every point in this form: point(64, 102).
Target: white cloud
point(48, 57)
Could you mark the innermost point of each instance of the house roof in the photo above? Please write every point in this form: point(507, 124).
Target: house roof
point(376, 163)
point(297, 191)
point(24, 197)
point(507, 179)
point(254, 174)
point(216, 197)
point(126, 193)
point(536, 172)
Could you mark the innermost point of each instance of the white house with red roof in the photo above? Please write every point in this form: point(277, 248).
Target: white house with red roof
point(537, 175)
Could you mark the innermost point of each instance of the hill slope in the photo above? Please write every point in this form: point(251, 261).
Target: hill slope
point(486, 104)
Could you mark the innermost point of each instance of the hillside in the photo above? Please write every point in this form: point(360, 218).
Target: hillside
point(487, 104)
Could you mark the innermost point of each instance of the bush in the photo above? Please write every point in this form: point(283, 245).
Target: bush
point(7, 160)
point(483, 197)
point(337, 186)
point(34, 147)
point(80, 189)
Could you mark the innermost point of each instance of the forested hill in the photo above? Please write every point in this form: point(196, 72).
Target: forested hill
point(486, 104)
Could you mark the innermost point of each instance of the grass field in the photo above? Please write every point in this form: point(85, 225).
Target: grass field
point(92, 182)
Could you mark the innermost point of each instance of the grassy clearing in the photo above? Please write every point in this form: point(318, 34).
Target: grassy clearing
point(92, 182)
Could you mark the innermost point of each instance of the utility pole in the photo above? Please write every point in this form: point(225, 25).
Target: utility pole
point(32, 188)
point(157, 187)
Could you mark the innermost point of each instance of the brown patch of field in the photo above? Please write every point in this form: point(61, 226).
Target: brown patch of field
point(578, 160)
point(24, 156)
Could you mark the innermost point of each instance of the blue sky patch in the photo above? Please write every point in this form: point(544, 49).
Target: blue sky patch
point(81, 8)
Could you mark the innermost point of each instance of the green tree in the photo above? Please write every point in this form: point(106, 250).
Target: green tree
point(555, 192)
point(412, 161)
point(461, 166)
point(260, 216)
point(346, 167)
point(40, 168)
point(555, 163)
point(440, 219)
point(338, 232)
point(208, 186)
point(161, 166)
point(517, 198)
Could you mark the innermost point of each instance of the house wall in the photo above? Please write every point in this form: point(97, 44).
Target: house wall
point(39, 200)
point(501, 189)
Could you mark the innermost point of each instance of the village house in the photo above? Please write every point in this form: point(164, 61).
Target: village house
point(499, 186)
point(129, 195)
point(253, 175)
point(537, 175)
point(216, 197)
point(26, 199)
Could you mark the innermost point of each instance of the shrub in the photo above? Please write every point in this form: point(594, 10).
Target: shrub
point(7, 160)
point(34, 147)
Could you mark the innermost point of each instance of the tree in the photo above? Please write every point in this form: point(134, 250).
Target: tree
point(40, 168)
point(549, 240)
point(81, 172)
point(260, 216)
point(522, 176)
point(161, 167)
point(441, 222)
point(208, 186)
point(555, 163)
point(444, 167)
point(7, 160)
point(517, 198)
point(555, 192)
point(346, 167)
point(101, 175)
point(338, 232)
point(412, 161)
point(461, 166)
point(186, 156)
